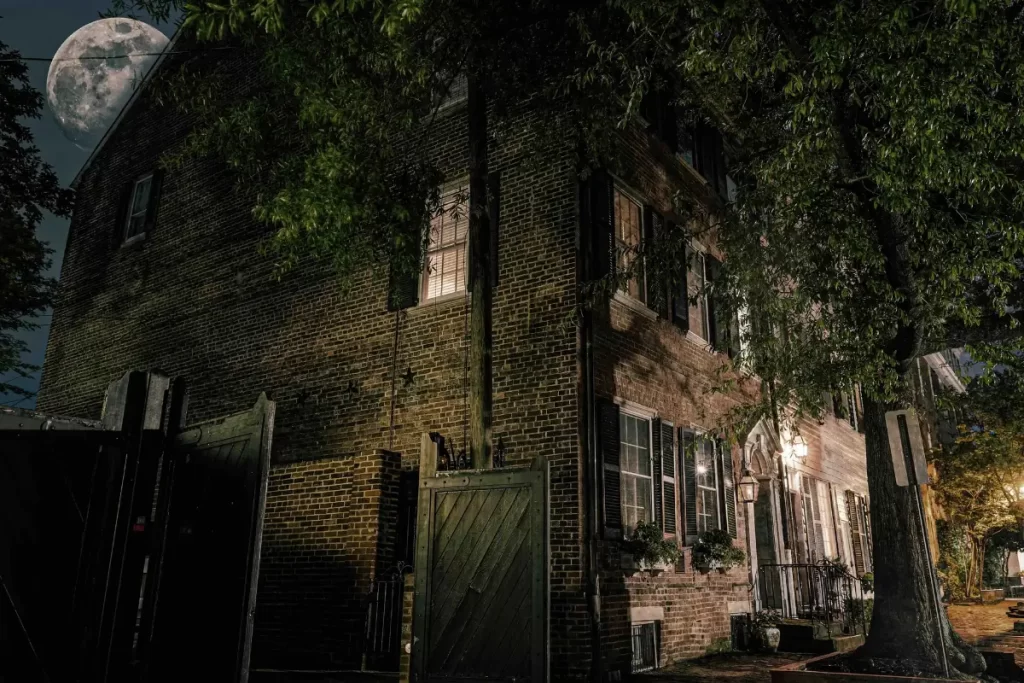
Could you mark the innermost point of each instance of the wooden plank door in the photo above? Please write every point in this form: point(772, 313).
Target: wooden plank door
point(206, 591)
point(481, 578)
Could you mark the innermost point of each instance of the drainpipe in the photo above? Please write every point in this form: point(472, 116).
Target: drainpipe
point(589, 437)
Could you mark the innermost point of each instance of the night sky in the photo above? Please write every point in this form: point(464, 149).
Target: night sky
point(36, 28)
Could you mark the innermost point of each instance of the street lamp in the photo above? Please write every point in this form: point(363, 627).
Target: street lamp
point(799, 446)
point(748, 487)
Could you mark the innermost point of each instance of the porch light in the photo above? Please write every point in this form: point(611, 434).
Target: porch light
point(799, 446)
point(748, 487)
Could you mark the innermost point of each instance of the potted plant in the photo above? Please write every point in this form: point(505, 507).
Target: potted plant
point(714, 550)
point(867, 582)
point(649, 549)
point(764, 631)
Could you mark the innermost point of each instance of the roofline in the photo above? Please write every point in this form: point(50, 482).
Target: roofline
point(127, 106)
point(948, 377)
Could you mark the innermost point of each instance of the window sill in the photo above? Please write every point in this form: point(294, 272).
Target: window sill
point(134, 239)
point(634, 304)
point(445, 300)
point(697, 340)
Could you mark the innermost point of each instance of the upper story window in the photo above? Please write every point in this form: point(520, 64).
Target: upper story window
point(628, 237)
point(444, 270)
point(139, 207)
point(702, 148)
point(700, 321)
point(635, 467)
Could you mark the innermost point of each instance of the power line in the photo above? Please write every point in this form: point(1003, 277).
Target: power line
point(133, 54)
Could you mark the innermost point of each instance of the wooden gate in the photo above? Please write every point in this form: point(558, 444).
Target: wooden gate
point(481, 610)
point(107, 575)
point(203, 593)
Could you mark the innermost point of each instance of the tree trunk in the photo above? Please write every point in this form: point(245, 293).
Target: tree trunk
point(905, 624)
point(479, 281)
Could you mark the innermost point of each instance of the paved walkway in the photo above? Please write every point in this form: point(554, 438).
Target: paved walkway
point(721, 668)
point(987, 626)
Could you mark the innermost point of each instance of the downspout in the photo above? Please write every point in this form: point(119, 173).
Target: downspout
point(589, 446)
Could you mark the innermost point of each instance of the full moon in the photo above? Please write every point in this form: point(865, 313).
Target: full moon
point(94, 73)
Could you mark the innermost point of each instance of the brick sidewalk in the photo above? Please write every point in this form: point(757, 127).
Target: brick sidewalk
point(721, 668)
point(988, 627)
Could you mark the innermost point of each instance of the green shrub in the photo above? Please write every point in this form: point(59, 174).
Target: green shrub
point(647, 544)
point(716, 547)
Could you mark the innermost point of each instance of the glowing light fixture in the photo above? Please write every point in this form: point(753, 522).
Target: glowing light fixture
point(799, 446)
point(748, 486)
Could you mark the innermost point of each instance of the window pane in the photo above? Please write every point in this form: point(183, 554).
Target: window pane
point(140, 197)
point(444, 271)
point(643, 493)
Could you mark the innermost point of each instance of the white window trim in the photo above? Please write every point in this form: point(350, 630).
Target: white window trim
point(138, 237)
point(632, 409)
point(447, 188)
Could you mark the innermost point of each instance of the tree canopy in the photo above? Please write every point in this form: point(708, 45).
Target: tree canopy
point(28, 187)
point(876, 148)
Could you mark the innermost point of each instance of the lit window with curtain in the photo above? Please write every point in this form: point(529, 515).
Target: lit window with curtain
point(628, 234)
point(444, 270)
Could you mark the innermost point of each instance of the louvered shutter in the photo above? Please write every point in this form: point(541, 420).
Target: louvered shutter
point(856, 537)
point(800, 527)
point(601, 205)
point(866, 527)
point(679, 302)
point(688, 455)
point(727, 489)
point(656, 289)
point(668, 478)
point(656, 466)
point(812, 517)
point(611, 480)
point(155, 189)
point(406, 260)
point(494, 215)
point(837, 524)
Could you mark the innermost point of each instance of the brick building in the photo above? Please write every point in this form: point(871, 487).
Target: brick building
point(162, 272)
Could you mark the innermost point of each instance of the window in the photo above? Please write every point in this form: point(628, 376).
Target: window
point(700, 322)
point(138, 207)
point(645, 646)
point(635, 470)
point(628, 232)
point(707, 486)
point(444, 270)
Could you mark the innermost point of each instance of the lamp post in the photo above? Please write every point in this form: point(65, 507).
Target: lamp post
point(748, 486)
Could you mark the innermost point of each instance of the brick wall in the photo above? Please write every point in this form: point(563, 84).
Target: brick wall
point(196, 299)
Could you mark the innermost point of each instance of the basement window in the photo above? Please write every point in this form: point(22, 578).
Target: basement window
point(645, 646)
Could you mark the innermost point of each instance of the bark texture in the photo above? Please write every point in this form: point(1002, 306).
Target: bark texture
point(904, 623)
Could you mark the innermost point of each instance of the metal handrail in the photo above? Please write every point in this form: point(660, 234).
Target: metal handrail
point(821, 592)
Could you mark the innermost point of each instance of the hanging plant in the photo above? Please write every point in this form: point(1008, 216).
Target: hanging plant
point(714, 550)
point(649, 548)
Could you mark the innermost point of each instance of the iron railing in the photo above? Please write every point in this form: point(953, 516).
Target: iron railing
point(824, 593)
point(383, 637)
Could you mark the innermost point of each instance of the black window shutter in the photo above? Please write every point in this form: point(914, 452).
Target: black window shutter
point(868, 561)
point(123, 203)
point(669, 125)
point(687, 454)
point(656, 468)
point(668, 477)
point(406, 260)
point(680, 299)
point(494, 215)
point(656, 290)
point(609, 450)
point(154, 199)
point(600, 197)
point(727, 489)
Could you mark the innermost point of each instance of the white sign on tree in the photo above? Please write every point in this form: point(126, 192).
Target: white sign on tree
point(905, 445)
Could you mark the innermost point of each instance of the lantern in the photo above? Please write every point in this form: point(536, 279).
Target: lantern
point(748, 486)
